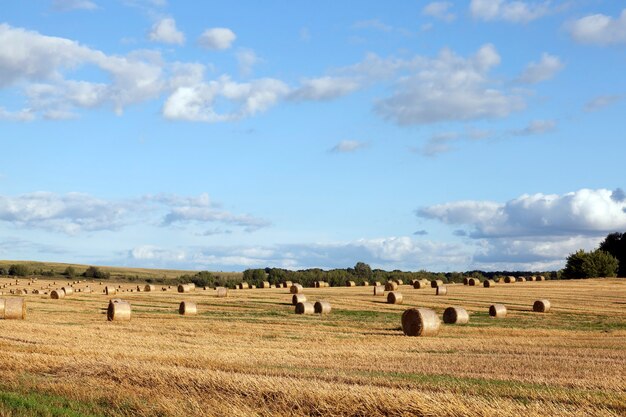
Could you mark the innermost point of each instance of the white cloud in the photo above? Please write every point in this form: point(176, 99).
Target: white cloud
point(24, 115)
point(324, 88)
point(165, 31)
point(448, 88)
point(217, 38)
point(511, 11)
point(536, 127)
point(66, 5)
point(599, 29)
point(247, 59)
point(198, 102)
point(439, 10)
point(346, 146)
point(601, 102)
point(151, 252)
point(543, 70)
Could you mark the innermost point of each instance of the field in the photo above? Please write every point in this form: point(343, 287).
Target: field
point(250, 355)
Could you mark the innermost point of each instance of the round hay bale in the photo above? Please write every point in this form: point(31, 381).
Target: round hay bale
point(488, 283)
point(265, 284)
point(497, 310)
point(317, 284)
point(287, 284)
point(541, 306)
point(149, 288)
point(244, 286)
point(68, 290)
point(109, 290)
point(12, 309)
point(185, 288)
point(118, 311)
point(441, 290)
point(391, 286)
point(420, 322)
point(350, 284)
point(377, 284)
point(473, 282)
point(322, 307)
point(436, 283)
point(532, 278)
point(298, 298)
point(379, 290)
point(57, 294)
point(305, 308)
point(509, 279)
point(36, 292)
point(465, 281)
point(521, 279)
point(296, 289)
point(394, 297)
point(222, 291)
point(541, 278)
point(187, 308)
point(455, 315)
point(87, 290)
point(365, 284)
point(398, 281)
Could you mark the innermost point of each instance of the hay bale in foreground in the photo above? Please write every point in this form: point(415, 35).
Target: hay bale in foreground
point(296, 289)
point(305, 308)
point(509, 280)
point(298, 298)
point(118, 310)
point(68, 290)
point(473, 282)
point(541, 306)
point(455, 315)
point(12, 308)
point(222, 291)
point(391, 286)
point(187, 308)
point(109, 290)
point(436, 283)
point(488, 283)
point(322, 307)
point(149, 288)
point(441, 290)
point(57, 294)
point(379, 290)
point(497, 311)
point(394, 297)
point(377, 283)
point(420, 322)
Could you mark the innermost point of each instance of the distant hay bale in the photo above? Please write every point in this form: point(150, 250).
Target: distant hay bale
point(149, 288)
point(244, 286)
point(118, 310)
point(57, 294)
point(379, 290)
point(420, 322)
point(35, 291)
point(298, 298)
point(350, 284)
point(497, 310)
point(436, 283)
point(365, 284)
point(187, 308)
point(322, 307)
point(441, 290)
point(509, 279)
point(521, 279)
point(265, 284)
point(391, 286)
point(186, 288)
point(109, 290)
point(305, 308)
point(488, 283)
point(317, 284)
point(455, 315)
point(541, 278)
point(394, 297)
point(87, 290)
point(296, 289)
point(222, 291)
point(12, 308)
point(465, 281)
point(398, 281)
point(287, 284)
point(532, 278)
point(541, 306)
point(473, 282)
point(377, 283)
point(68, 290)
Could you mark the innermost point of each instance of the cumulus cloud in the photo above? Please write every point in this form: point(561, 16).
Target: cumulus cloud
point(347, 146)
point(24, 115)
point(66, 5)
point(324, 88)
point(217, 38)
point(449, 88)
point(599, 29)
point(601, 102)
point(165, 31)
point(511, 11)
point(536, 127)
point(246, 59)
point(439, 10)
point(543, 70)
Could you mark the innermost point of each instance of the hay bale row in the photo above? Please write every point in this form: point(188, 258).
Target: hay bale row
point(305, 308)
point(12, 308)
point(320, 307)
point(296, 289)
point(420, 322)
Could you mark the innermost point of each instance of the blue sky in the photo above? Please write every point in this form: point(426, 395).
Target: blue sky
point(228, 135)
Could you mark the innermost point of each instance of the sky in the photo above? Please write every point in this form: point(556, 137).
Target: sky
point(446, 136)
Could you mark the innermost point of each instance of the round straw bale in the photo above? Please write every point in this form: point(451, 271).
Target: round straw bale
point(296, 289)
point(222, 291)
point(322, 307)
point(509, 279)
point(473, 282)
point(316, 284)
point(465, 281)
point(394, 297)
point(398, 281)
point(420, 322)
point(305, 308)
point(287, 284)
point(455, 315)
point(185, 288)
point(365, 284)
point(149, 288)
point(35, 291)
point(187, 308)
point(13, 309)
point(57, 294)
point(265, 284)
point(118, 311)
point(298, 298)
point(377, 284)
point(541, 306)
point(379, 290)
point(244, 286)
point(436, 283)
point(109, 290)
point(391, 286)
point(521, 279)
point(350, 284)
point(541, 278)
point(441, 290)
point(497, 310)
point(68, 290)
point(489, 283)
point(532, 278)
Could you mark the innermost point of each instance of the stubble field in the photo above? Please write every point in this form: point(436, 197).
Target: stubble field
point(250, 355)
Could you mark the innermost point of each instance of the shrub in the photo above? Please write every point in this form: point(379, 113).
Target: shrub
point(583, 264)
point(95, 272)
point(18, 270)
point(70, 272)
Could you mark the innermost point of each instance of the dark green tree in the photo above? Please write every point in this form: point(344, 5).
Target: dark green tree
point(583, 264)
point(363, 271)
point(18, 270)
point(70, 272)
point(615, 244)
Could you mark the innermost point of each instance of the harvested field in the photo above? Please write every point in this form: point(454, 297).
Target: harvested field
point(250, 355)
